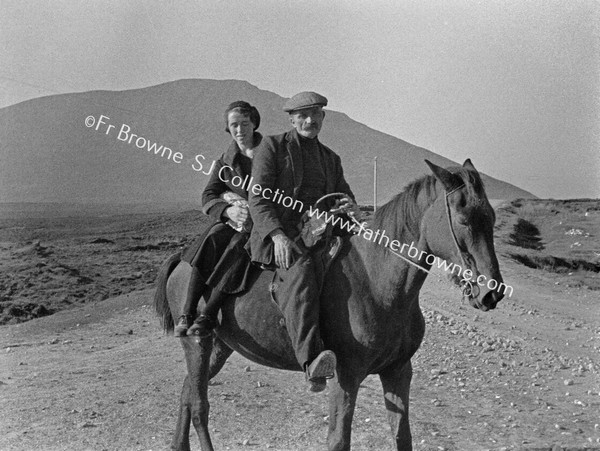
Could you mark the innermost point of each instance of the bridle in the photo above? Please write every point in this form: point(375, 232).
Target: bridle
point(469, 289)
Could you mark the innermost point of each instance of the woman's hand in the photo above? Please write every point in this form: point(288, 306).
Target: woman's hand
point(237, 214)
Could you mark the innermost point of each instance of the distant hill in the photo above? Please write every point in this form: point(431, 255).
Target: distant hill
point(48, 154)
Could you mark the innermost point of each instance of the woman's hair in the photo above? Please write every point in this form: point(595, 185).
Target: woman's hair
point(243, 108)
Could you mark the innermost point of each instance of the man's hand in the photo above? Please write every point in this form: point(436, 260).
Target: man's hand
point(284, 249)
point(347, 205)
point(237, 214)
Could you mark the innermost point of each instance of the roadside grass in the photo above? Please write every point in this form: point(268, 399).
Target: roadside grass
point(558, 236)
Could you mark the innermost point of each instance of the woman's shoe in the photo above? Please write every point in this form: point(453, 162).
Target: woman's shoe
point(183, 324)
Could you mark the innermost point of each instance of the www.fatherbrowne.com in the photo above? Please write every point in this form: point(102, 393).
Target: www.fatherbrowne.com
point(378, 236)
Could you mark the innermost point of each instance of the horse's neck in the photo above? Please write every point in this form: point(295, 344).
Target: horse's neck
point(386, 263)
point(407, 234)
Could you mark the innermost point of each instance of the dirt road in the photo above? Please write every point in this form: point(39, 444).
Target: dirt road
point(104, 377)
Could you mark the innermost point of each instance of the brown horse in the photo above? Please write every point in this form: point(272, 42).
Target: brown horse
point(370, 314)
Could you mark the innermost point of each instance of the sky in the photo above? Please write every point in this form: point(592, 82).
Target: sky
point(513, 85)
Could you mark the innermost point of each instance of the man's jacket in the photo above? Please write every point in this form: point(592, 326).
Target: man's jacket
point(278, 165)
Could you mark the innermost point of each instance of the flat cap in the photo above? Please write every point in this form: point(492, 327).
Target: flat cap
point(306, 99)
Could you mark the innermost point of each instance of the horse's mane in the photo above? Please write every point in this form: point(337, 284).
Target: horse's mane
point(404, 211)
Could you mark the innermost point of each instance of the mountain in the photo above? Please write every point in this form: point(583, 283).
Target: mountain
point(49, 154)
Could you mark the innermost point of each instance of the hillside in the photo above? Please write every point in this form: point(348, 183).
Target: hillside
point(48, 154)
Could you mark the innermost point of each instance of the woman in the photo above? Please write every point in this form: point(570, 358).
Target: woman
point(218, 257)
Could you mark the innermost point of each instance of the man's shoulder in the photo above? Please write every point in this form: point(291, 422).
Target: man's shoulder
point(273, 145)
point(277, 140)
point(331, 153)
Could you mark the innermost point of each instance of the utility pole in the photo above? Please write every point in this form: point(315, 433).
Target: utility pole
point(374, 184)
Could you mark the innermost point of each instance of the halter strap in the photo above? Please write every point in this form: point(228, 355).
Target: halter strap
point(469, 289)
point(449, 216)
point(454, 190)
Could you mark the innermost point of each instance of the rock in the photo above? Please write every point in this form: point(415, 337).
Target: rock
point(86, 424)
point(568, 382)
point(102, 241)
point(247, 369)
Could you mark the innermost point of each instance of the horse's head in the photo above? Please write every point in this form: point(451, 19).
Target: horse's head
point(459, 227)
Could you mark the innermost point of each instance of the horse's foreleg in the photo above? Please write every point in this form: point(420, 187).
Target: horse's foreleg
point(197, 355)
point(396, 387)
point(342, 401)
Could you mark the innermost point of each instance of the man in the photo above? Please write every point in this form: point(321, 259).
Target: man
point(296, 165)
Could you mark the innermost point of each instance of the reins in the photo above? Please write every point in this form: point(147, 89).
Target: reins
point(469, 289)
point(360, 225)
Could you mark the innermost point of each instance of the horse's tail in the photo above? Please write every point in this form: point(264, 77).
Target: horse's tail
point(161, 304)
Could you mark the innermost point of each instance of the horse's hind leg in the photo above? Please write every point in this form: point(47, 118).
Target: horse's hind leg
point(181, 440)
point(197, 355)
point(396, 387)
point(220, 354)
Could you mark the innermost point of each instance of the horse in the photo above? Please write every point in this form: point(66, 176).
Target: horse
point(369, 311)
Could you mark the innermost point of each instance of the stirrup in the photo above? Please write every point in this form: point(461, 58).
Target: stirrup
point(323, 367)
point(203, 326)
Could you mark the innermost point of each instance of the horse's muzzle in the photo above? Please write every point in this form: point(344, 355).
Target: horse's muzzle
point(472, 292)
point(488, 301)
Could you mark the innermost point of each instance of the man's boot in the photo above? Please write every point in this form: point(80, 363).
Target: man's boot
point(321, 369)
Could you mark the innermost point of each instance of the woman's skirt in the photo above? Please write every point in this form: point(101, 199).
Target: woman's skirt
point(219, 255)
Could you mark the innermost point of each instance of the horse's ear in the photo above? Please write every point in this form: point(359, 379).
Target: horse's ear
point(445, 177)
point(469, 165)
